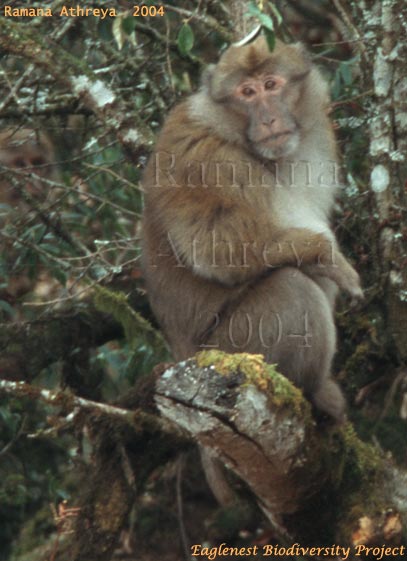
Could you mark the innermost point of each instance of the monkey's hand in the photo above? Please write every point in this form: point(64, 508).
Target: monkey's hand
point(342, 273)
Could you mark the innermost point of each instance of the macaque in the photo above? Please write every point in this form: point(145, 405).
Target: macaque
point(29, 151)
point(239, 254)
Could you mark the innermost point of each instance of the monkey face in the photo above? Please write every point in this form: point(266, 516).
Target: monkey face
point(272, 130)
point(259, 97)
point(30, 152)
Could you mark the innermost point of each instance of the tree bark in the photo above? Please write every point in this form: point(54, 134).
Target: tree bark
point(29, 347)
point(26, 348)
point(381, 29)
point(315, 482)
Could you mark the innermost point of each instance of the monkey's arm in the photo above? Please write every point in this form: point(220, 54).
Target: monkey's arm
point(194, 197)
point(224, 239)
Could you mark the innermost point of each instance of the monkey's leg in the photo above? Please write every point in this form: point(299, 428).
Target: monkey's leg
point(287, 317)
point(329, 287)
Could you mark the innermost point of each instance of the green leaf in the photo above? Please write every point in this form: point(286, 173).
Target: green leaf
point(254, 10)
point(346, 73)
point(277, 15)
point(270, 38)
point(336, 86)
point(5, 306)
point(185, 39)
point(129, 25)
point(10, 420)
point(59, 275)
point(266, 21)
point(105, 30)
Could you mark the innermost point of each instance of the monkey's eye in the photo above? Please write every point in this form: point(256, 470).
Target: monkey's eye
point(247, 91)
point(270, 84)
point(37, 161)
point(18, 163)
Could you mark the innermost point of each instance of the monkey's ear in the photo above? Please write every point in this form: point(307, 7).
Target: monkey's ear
point(215, 82)
point(206, 78)
point(212, 82)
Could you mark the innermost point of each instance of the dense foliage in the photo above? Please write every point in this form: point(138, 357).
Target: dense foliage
point(81, 229)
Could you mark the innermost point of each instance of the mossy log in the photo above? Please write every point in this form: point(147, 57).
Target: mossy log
point(28, 347)
point(316, 482)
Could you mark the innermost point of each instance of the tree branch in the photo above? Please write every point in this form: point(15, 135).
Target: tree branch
point(75, 76)
point(26, 348)
point(259, 425)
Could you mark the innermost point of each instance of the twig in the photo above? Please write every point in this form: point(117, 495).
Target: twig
point(69, 402)
point(348, 100)
point(180, 508)
point(352, 28)
point(208, 21)
point(116, 176)
point(7, 447)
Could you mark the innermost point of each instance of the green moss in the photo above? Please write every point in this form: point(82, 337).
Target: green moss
point(365, 457)
point(360, 483)
point(147, 345)
point(134, 325)
point(355, 363)
point(354, 463)
point(258, 373)
point(33, 531)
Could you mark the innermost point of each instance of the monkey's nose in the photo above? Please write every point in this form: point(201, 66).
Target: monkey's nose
point(268, 121)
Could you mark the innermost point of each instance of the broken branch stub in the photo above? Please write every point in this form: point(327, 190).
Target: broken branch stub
point(252, 419)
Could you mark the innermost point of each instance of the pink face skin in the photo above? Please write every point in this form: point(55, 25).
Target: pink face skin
point(272, 130)
point(27, 157)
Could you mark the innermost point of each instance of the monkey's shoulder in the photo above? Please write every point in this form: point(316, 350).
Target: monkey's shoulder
point(191, 136)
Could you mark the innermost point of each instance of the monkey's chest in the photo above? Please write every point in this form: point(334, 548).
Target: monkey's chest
point(300, 207)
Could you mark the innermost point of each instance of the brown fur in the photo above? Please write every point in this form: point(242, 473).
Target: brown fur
point(227, 263)
point(29, 151)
